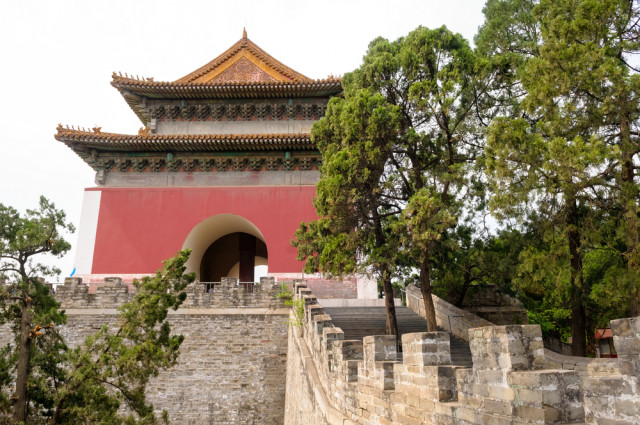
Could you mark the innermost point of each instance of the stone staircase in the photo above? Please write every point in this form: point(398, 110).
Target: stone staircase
point(358, 322)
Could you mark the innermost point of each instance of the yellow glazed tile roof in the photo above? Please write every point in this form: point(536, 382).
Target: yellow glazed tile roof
point(83, 139)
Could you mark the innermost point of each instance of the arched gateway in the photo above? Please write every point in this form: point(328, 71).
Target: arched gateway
point(226, 245)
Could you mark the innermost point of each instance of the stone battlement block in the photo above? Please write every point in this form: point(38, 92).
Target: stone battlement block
point(322, 321)
point(112, 285)
point(267, 280)
point(348, 349)
point(345, 357)
point(514, 347)
point(302, 291)
point(299, 284)
point(426, 349)
point(72, 281)
point(73, 293)
point(329, 336)
point(626, 338)
point(312, 308)
point(309, 299)
point(547, 396)
point(379, 348)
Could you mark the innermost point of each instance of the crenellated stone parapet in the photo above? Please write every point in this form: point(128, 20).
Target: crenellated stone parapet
point(74, 294)
point(612, 395)
point(336, 381)
point(508, 385)
point(228, 293)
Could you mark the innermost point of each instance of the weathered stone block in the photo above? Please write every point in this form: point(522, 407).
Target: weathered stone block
point(331, 335)
point(267, 280)
point(72, 281)
point(426, 348)
point(378, 348)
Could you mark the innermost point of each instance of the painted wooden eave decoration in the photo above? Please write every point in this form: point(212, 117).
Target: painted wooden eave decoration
point(147, 152)
point(83, 139)
point(244, 71)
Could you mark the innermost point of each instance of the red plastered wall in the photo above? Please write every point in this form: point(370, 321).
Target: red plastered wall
point(140, 227)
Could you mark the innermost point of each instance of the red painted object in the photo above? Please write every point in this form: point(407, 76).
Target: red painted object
point(140, 227)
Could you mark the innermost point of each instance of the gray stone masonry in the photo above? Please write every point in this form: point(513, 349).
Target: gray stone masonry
point(232, 364)
point(225, 294)
point(510, 383)
point(488, 302)
point(612, 396)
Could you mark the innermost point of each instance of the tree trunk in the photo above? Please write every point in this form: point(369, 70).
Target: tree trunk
point(425, 290)
point(392, 323)
point(591, 334)
point(387, 288)
point(22, 371)
point(465, 285)
point(578, 316)
point(629, 199)
point(578, 330)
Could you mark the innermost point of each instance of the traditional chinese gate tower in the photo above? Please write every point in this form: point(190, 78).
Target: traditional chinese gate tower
point(224, 165)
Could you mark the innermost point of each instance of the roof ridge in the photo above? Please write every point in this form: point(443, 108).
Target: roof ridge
point(245, 42)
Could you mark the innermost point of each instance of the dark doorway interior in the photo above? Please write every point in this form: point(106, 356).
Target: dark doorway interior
point(223, 254)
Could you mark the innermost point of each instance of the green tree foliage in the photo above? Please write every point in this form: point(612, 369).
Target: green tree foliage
point(467, 260)
point(26, 304)
point(565, 147)
point(353, 232)
point(113, 366)
point(104, 379)
point(398, 154)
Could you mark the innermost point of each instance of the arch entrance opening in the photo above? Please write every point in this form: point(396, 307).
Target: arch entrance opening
point(234, 255)
point(226, 245)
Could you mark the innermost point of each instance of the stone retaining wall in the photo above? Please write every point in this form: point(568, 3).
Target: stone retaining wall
point(232, 363)
point(363, 382)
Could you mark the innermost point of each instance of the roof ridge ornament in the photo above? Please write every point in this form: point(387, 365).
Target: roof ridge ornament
point(244, 33)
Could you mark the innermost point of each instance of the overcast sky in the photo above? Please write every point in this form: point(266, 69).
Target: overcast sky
point(57, 59)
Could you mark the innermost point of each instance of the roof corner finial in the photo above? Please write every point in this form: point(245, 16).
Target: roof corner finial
point(244, 33)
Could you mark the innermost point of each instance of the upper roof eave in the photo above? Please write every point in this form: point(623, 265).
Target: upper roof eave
point(136, 90)
point(201, 83)
point(175, 90)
